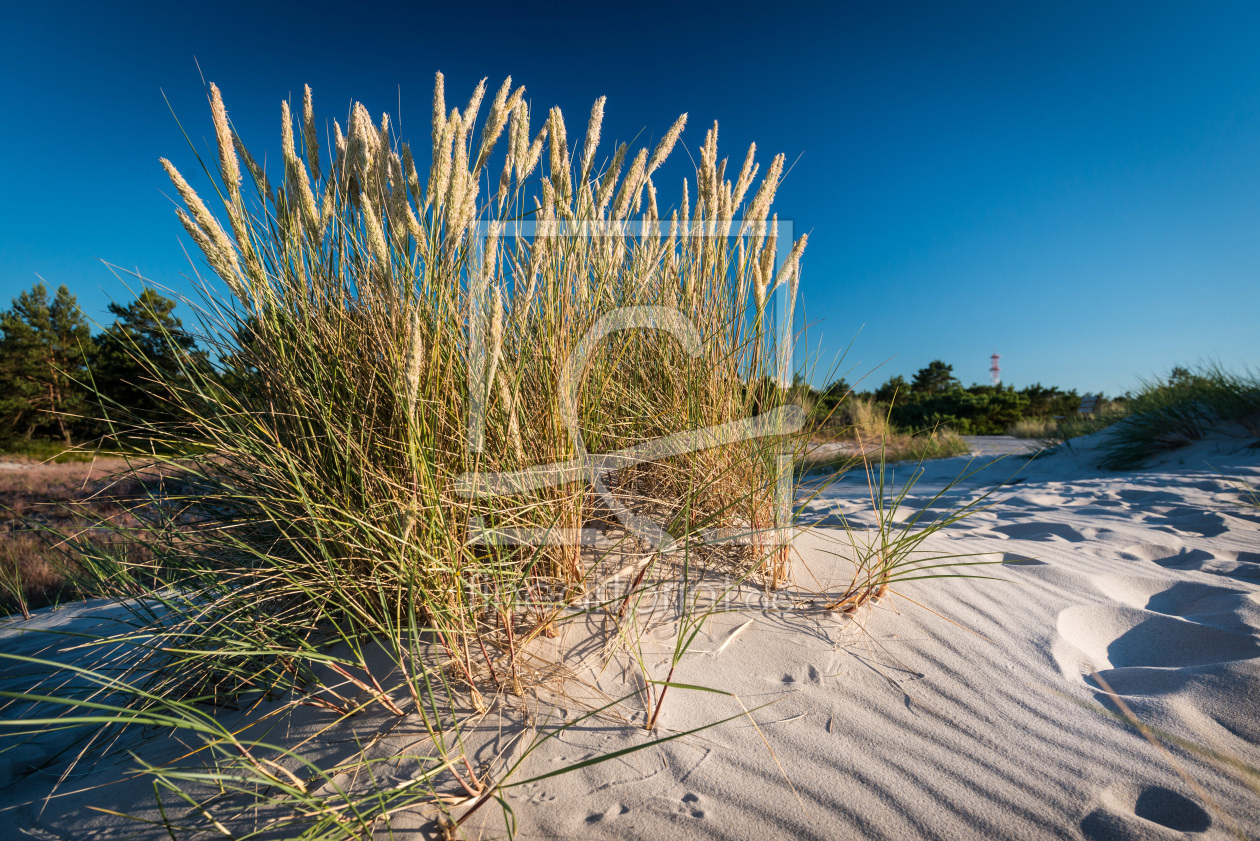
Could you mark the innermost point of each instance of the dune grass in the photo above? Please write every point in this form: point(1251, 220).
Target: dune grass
point(1039, 428)
point(892, 551)
point(391, 358)
point(1168, 414)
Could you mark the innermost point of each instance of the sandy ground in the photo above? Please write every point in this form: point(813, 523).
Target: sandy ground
point(959, 708)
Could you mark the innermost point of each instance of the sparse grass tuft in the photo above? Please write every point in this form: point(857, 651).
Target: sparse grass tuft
point(938, 443)
point(30, 575)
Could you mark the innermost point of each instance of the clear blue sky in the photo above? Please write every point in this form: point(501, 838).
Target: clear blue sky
point(1073, 185)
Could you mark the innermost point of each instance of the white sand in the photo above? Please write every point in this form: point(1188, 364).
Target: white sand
point(981, 722)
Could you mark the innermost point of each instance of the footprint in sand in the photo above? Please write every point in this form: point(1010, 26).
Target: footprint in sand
point(1017, 560)
point(691, 805)
point(1191, 644)
point(1156, 812)
point(1241, 565)
point(1119, 636)
point(1040, 531)
point(1166, 556)
point(1148, 497)
point(1190, 521)
point(612, 812)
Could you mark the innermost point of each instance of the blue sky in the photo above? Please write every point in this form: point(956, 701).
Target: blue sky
point(1073, 185)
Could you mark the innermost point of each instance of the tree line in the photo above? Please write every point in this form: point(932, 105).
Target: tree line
point(934, 397)
point(59, 381)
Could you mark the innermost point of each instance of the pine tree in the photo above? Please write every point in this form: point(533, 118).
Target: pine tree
point(894, 389)
point(141, 352)
point(44, 347)
point(937, 377)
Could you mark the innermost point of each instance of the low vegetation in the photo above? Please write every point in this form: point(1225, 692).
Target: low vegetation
point(935, 399)
point(1170, 413)
point(45, 506)
point(859, 428)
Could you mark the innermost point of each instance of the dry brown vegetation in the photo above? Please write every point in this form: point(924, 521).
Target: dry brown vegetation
point(42, 505)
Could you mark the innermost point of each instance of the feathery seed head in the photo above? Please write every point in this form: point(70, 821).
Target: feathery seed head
point(255, 171)
point(533, 154)
point(630, 187)
point(791, 262)
point(500, 109)
point(746, 175)
point(505, 179)
point(409, 171)
point(518, 133)
point(686, 209)
point(440, 173)
point(295, 173)
point(286, 130)
point(610, 178)
point(592, 135)
point(375, 234)
point(439, 109)
point(415, 363)
point(225, 254)
point(474, 105)
point(208, 248)
point(765, 194)
point(667, 144)
point(340, 150)
point(459, 168)
point(309, 135)
point(561, 177)
point(228, 166)
point(384, 148)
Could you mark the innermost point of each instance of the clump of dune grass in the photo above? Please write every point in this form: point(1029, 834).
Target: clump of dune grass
point(1108, 413)
point(356, 520)
point(1038, 428)
point(865, 419)
point(1168, 414)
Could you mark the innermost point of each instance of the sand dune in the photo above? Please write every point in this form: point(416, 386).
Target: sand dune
point(975, 715)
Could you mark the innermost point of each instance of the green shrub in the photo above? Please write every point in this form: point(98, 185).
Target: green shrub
point(980, 410)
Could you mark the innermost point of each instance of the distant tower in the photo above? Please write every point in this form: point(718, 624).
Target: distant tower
point(995, 371)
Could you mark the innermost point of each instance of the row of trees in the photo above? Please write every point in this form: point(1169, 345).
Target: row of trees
point(57, 380)
point(935, 397)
